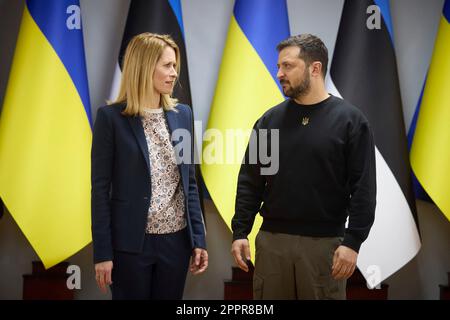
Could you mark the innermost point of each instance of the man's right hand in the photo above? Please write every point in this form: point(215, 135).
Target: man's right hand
point(103, 272)
point(239, 249)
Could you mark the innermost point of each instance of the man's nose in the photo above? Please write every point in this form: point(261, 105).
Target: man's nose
point(280, 74)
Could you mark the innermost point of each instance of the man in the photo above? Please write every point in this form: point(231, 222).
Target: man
point(326, 175)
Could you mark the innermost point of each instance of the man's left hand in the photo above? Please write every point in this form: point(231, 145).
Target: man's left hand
point(344, 263)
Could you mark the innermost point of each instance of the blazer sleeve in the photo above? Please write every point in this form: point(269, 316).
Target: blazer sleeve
point(195, 211)
point(101, 175)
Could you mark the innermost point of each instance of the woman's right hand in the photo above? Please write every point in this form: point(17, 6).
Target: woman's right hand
point(103, 272)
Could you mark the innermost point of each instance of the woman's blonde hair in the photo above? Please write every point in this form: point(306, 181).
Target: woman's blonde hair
point(141, 56)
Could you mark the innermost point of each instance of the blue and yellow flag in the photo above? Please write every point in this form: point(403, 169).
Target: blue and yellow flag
point(246, 88)
point(45, 132)
point(418, 190)
point(430, 151)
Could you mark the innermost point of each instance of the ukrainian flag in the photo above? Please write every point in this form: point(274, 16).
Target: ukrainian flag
point(45, 132)
point(247, 86)
point(430, 151)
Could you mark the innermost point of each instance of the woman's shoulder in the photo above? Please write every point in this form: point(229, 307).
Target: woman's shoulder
point(183, 107)
point(112, 109)
point(183, 110)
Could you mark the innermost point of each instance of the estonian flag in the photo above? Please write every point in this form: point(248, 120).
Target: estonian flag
point(162, 17)
point(364, 72)
point(156, 16)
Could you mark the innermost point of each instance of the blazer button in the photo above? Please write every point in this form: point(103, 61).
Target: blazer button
point(145, 198)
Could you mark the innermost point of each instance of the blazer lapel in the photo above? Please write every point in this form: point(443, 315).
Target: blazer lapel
point(172, 123)
point(138, 130)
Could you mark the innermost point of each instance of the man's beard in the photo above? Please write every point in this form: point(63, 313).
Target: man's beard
point(301, 90)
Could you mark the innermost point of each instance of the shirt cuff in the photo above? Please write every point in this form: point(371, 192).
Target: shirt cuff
point(352, 242)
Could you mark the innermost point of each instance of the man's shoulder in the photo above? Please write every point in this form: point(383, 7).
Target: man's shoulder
point(347, 109)
point(274, 112)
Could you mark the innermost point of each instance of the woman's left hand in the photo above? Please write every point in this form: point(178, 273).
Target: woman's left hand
point(199, 261)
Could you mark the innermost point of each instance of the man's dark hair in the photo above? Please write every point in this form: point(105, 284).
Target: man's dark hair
point(311, 49)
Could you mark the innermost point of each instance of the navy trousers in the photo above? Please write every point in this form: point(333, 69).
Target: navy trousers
point(158, 273)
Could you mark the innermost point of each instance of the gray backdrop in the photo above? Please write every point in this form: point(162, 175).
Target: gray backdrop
point(206, 22)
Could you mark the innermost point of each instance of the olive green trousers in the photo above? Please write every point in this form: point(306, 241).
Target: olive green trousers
point(293, 267)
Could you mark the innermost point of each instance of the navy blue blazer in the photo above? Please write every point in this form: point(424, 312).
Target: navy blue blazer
point(121, 186)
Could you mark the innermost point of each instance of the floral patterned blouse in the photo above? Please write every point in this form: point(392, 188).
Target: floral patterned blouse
point(166, 211)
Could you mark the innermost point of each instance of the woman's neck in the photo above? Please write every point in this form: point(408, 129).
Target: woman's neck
point(154, 102)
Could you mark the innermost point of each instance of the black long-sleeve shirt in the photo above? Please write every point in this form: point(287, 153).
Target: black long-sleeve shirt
point(326, 173)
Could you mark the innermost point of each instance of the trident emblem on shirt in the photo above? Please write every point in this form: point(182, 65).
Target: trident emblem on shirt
point(305, 121)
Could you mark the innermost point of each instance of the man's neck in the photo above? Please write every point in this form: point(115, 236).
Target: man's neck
point(315, 95)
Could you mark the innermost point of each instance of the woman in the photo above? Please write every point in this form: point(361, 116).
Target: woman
point(146, 216)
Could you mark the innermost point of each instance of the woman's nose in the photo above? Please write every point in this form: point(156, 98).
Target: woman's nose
point(173, 73)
